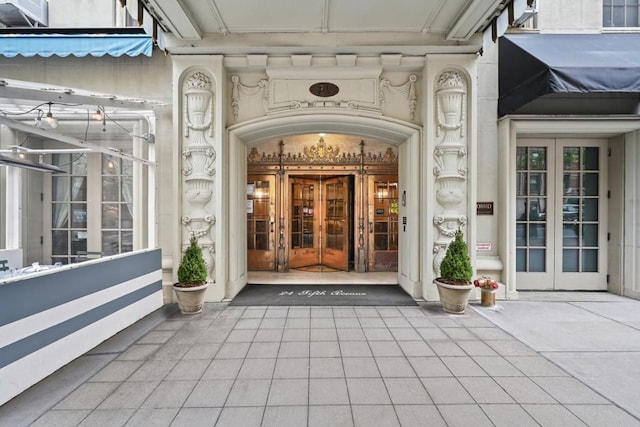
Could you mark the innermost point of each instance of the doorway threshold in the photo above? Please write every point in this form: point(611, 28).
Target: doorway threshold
point(294, 277)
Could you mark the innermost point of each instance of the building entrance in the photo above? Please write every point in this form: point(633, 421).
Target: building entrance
point(304, 213)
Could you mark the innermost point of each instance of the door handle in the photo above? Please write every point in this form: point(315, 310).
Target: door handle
point(370, 227)
point(272, 226)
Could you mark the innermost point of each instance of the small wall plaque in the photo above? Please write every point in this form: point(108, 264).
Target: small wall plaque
point(484, 208)
point(324, 89)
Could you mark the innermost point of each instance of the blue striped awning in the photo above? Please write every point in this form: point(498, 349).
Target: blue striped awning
point(75, 44)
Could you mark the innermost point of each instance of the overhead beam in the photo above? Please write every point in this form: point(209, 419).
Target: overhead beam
point(469, 22)
point(47, 134)
point(18, 89)
point(176, 17)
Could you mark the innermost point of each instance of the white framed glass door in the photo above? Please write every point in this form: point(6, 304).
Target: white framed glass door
point(561, 221)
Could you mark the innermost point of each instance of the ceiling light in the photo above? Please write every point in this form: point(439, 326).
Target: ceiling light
point(98, 115)
point(53, 122)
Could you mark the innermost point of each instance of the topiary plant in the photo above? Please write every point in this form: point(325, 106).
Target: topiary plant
point(193, 270)
point(455, 268)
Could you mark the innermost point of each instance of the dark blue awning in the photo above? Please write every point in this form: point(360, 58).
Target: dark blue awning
point(566, 66)
point(75, 44)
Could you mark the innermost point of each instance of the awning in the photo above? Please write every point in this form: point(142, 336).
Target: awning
point(538, 65)
point(75, 44)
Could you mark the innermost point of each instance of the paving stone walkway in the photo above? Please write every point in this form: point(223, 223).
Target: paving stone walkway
point(326, 366)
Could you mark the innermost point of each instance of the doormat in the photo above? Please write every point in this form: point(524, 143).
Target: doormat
point(327, 295)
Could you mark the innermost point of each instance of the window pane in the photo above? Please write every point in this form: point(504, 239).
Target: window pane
point(110, 189)
point(521, 158)
point(571, 158)
point(537, 260)
point(126, 219)
point(78, 241)
point(590, 184)
point(59, 242)
point(537, 234)
point(79, 188)
point(570, 235)
point(59, 215)
point(60, 188)
point(590, 158)
point(590, 260)
point(78, 215)
point(110, 215)
point(590, 235)
point(537, 184)
point(126, 241)
point(521, 235)
point(571, 184)
point(110, 242)
point(537, 158)
point(570, 260)
point(521, 260)
point(590, 209)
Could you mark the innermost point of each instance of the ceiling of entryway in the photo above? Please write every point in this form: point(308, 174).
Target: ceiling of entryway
point(223, 25)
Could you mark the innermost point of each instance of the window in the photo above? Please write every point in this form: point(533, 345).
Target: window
point(620, 13)
point(69, 207)
point(91, 206)
point(117, 205)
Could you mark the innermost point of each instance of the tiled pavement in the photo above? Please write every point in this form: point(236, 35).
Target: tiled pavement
point(329, 366)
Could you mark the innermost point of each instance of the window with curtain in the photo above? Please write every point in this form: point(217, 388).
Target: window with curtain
point(69, 207)
point(117, 205)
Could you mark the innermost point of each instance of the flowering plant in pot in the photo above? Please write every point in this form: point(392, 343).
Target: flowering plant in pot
point(192, 279)
point(454, 283)
point(488, 288)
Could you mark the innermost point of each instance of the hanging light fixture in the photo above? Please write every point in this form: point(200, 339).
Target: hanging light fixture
point(98, 115)
point(53, 122)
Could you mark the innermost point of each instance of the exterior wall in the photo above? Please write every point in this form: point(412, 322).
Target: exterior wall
point(62, 315)
point(632, 215)
point(82, 14)
point(570, 16)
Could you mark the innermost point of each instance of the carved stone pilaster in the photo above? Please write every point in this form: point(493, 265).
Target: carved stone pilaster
point(198, 168)
point(450, 159)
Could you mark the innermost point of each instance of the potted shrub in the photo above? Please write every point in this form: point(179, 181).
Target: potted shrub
point(454, 283)
point(192, 279)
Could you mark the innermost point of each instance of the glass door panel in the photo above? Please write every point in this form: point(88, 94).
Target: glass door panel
point(303, 232)
point(335, 248)
point(559, 233)
point(383, 223)
point(532, 211)
point(261, 248)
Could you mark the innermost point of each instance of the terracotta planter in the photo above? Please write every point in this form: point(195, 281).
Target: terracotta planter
point(190, 300)
point(488, 297)
point(454, 298)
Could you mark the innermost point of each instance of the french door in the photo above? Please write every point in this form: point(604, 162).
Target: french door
point(561, 214)
point(319, 222)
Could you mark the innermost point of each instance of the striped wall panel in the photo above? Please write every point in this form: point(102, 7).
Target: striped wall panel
point(50, 319)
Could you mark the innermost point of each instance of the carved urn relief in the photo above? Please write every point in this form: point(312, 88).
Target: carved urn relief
point(450, 159)
point(198, 170)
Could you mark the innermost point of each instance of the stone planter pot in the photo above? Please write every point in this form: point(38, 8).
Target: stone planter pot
point(488, 297)
point(454, 298)
point(190, 300)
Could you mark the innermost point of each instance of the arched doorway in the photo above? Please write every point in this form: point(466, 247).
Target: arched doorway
point(405, 137)
point(323, 203)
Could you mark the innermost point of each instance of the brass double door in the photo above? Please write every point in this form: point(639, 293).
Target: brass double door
point(306, 220)
point(320, 226)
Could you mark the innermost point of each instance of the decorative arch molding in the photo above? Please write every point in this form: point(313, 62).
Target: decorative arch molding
point(406, 136)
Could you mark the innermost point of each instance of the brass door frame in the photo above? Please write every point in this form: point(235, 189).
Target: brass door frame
point(291, 258)
point(258, 259)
